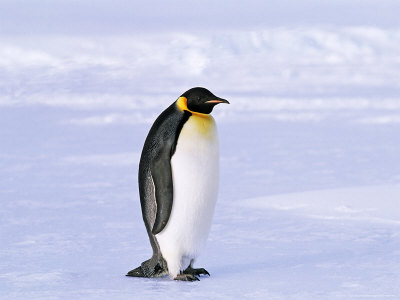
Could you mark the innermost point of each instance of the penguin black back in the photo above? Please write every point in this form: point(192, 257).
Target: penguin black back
point(157, 151)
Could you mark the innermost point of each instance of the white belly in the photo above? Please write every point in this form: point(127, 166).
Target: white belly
point(195, 173)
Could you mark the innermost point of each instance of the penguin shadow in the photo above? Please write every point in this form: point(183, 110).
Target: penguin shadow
point(268, 265)
point(166, 280)
point(222, 270)
point(279, 264)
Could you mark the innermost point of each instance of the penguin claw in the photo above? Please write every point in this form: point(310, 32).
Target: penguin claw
point(196, 272)
point(186, 277)
point(201, 271)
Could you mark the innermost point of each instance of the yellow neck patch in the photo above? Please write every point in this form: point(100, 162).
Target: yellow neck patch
point(202, 123)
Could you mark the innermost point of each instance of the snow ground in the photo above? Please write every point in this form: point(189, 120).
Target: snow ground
point(310, 179)
point(307, 210)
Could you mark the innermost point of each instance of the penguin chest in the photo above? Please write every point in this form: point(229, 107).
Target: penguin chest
point(195, 172)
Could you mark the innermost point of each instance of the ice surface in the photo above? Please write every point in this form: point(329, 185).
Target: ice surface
point(308, 209)
point(310, 173)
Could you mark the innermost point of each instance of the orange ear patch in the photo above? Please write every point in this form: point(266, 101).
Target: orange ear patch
point(182, 103)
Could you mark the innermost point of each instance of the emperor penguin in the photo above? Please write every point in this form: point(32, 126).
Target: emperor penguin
point(178, 185)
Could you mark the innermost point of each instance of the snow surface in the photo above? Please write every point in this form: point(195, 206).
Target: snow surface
point(308, 208)
point(310, 174)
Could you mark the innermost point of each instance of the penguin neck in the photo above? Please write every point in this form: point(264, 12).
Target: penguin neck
point(182, 105)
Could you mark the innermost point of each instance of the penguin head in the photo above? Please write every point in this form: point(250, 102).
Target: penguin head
point(201, 100)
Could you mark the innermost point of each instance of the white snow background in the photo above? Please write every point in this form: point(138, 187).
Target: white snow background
point(310, 173)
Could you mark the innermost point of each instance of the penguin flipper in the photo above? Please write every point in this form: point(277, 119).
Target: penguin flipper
point(163, 188)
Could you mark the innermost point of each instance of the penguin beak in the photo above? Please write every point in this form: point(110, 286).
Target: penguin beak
point(218, 101)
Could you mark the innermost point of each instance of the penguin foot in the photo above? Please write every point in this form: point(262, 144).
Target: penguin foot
point(150, 268)
point(186, 277)
point(138, 272)
point(196, 272)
